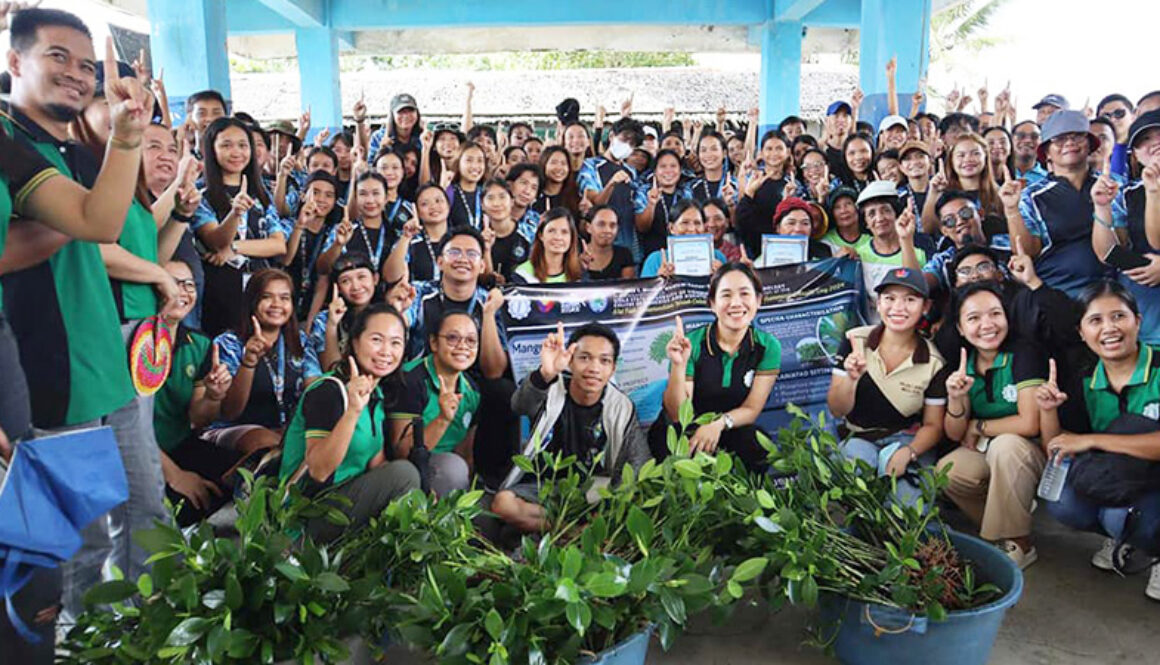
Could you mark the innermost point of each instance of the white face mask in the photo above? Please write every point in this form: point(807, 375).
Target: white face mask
point(619, 150)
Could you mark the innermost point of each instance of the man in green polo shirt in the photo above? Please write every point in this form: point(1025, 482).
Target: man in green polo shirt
point(61, 306)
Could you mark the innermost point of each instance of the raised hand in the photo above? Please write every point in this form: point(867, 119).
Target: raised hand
point(728, 191)
point(626, 106)
point(745, 256)
point(1105, 189)
point(952, 100)
point(286, 166)
point(344, 231)
point(187, 200)
point(854, 365)
point(679, 348)
point(130, 106)
point(856, 98)
point(1011, 192)
point(402, 295)
point(959, 382)
point(360, 108)
point(217, 381)
point(1022, 267)
point(984, 94)
point(494, 301)
point(905, 224)
point(257, 346)
point(336, 309)
point(411, 229)
point(555, 354)
point(358, 388)
point(620, 177)
point(304, 120)
point(666, 269)
point(586, 257)
point(488, 234)
point(654, 192)
point(939, 182)
point(599, 120)
point(1048, 396)
point(448, 399)
point(427, 139)
point(321, 136)
point(242, 201)
point(892, 66)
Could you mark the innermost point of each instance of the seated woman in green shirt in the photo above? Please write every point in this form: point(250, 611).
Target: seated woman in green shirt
point(346, 421)
point(991, 412)
point(450, 398)
point(727, 367)
point(555, 255)
point(188, 402)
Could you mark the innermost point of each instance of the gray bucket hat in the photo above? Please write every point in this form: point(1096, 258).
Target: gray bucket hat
point(1065, 122)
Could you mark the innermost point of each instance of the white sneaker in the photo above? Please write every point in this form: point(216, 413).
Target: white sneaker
point(1021, 558)
point(1103, 558)
point(1153, 588)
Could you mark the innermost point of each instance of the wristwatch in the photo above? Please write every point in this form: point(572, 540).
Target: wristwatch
point(728, 420)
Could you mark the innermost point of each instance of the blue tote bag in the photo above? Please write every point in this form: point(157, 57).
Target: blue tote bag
point(55, 487)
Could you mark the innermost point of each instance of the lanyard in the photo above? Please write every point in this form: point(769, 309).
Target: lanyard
point(378, 251)
point(278, 378)
point(720, 186)
point(472, 220)
point(390, 219)
point(665, 206)
point(430, 252)
point(307, 267)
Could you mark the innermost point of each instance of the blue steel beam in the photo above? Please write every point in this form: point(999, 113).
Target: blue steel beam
point(836, 14)
point(794, 10)
point(401, 14)
point(781, 72)
point(189, 43)
point(892, 28)
point(251, 17)
point(302, 13)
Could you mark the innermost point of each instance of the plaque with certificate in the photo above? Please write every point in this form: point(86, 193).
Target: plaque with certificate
point(691, 255)
point(783, 250)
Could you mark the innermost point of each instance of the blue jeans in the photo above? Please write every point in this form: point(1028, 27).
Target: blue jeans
point(108, 541)
point(906, 490)
point(1082, 514)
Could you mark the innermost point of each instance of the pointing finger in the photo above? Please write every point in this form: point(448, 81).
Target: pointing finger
point(110, 64)
point(1018, 245)
point(680, 328)
point(245, 185)
point(963, 360)
point(216, 358)
point(560, 332)
point(335, 295)
point(1051, 372)
point(353, 367)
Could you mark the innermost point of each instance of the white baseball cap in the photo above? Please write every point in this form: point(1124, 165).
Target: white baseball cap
point(891, 121)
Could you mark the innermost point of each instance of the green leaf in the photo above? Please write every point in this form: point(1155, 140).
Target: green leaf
point(573, 563)
point(331, 582)
point(233, 591)
point(145, 585)
point(291, 572)
point(214, 599)
point(566, 591)
point(159, 539)
point(524, 464)
point(187, 632)
point(724, 463)
point(674, 606)
point(767, 524)
point(606, 585)
point(469, 499)
point(641, 528)
point(493, 624)
point(809, 591)
point(749, 569)
point(579, 615)
point(685, 414)
point(765, 499)
point(456, 643)
point(216, 643)
point(734, 589)
point(688, 468)
point(115, 591)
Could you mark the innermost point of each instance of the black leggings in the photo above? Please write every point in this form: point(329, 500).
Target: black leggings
point(210, 462)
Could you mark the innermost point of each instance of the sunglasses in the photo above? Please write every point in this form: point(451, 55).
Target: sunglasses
point(1118, 114)
point(966, 213)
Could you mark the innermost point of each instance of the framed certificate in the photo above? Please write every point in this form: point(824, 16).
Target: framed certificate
point(691, 255)
point(783, 250)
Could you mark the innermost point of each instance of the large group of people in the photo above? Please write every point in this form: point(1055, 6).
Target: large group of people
point(333, 303)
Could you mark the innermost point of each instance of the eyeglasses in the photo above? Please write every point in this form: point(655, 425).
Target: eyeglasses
point(456, 253)
point(455, 340)
point(1118, 114)
point(814, 167)
point(965, 213)
point(1071, 137)
point(1027, 136)
point(187, 285)
point(982, 270)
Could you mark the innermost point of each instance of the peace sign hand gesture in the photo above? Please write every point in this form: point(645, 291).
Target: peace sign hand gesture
point(1048, 396)
point(854, 365)
point(448, 399)
point(654, 192)
point(555, 354)
point(257, 346)
point(679, 349)
point(586, 257)
point(358, 388)
point(217, 381)
point(959, 382)
point(130, 105)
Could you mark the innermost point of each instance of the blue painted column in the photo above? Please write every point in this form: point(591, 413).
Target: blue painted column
point(892, 28)
point(188, 41)
point(319, 79)
point(781, 71)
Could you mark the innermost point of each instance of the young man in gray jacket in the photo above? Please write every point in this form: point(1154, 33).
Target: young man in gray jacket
point(574, 411)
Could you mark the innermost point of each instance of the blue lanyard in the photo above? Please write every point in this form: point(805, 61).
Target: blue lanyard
point(476, 221)
point(394, 210)
point(278, 378)
point(367, 241)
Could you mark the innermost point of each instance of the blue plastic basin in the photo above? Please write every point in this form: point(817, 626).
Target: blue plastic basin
point(631, 651)
point(901, 638)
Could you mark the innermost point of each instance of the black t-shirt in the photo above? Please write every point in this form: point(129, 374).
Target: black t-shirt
point(621, 259)
point(374, 243)
point(579, 431)
point(656, 238)
point(466, 207)
point(508, 252)
point(421, 253)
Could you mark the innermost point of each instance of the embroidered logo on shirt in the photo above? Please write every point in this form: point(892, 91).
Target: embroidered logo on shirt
point(190, 371)
point(748, 379)
point(467, 420)
point(518, 252)
point(1010, 393)
point(1152, 411)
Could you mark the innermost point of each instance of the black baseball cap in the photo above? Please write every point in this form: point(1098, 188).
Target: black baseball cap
point(908, 277)
point(1142, 124)
point(568, 111)
point(403, 101)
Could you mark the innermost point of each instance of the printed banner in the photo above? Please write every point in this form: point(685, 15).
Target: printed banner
point(808, 307)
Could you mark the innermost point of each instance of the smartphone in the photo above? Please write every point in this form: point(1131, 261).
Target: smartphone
point(1125, 259)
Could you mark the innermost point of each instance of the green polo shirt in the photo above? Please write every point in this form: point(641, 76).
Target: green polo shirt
point(996, 393)
point(769, 362)
point(1140, 396)
point(139, 238)
point(421, 378)
point(18, 180)
point(319, 410)
point(191, 363)
point(65, 316)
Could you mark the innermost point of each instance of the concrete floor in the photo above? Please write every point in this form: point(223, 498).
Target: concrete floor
point(1070, 614)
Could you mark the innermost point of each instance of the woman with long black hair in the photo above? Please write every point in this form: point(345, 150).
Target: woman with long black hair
point(715, 180)
point(560, 187)
point(317, 214)
point(337, 435)
point(237, 223)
